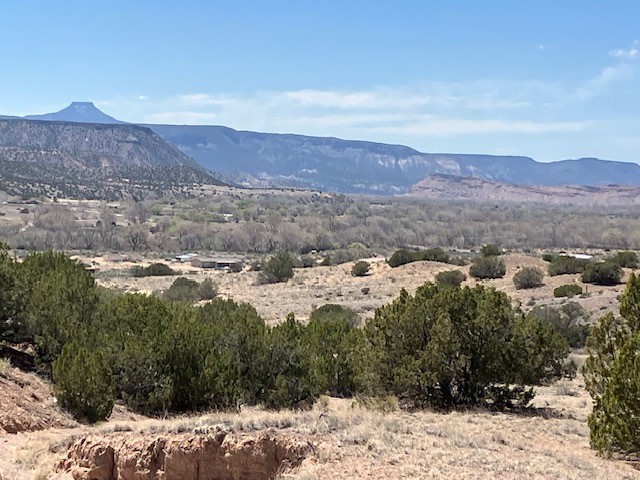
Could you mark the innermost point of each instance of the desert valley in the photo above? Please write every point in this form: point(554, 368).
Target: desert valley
point(319, 240)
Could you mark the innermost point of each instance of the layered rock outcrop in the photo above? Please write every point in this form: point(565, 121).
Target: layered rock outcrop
point(219, 455)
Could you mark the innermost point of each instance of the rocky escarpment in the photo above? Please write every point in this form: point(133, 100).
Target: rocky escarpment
point(218, 455)
point(349, 166)
point(448, 187)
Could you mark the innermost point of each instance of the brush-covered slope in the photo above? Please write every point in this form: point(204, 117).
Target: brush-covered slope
point(71, 154)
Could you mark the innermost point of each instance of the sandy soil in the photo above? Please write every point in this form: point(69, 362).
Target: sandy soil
point(313, 287)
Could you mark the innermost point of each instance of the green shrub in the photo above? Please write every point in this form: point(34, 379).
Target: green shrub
point(207, 290)
point(153, 270)
point(279, 268)
point(83, 383)
point(190, 291)
point(528, 277)
point(434, 255)
point(404, 256)
point(568, 290)
point(564, 264)
point(328, 344)
point(305, 261)
point(602, 273)
point(625, 259)
point(238, 365)
point(345, 255)
point(12, 326)
point(335, 313)
point(458, 261)
point(183, 290)
point(612, 377)
point(548, 257)
point(488, 267)
point(132, 332)
point(570, 321)
point(456, 346)
point(60, 298)
point(287, 377)
point(360, 269)
point(450, 277)
point(490, 250)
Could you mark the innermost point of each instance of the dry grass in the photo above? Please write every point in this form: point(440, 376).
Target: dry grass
point(5, 363)
point(350, 441)
point(314, 287)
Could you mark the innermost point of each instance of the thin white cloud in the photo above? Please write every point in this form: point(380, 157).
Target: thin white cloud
point(205, 99)
point(631, 53)
point(448, 127)
point(181, 118)
point(600, 84)
point(375, 99)
point(434, 109)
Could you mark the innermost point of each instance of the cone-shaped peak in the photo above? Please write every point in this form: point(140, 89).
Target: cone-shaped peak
point(83, 112)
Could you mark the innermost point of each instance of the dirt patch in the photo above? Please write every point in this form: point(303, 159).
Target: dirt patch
point(27, 404)
point(217, 455)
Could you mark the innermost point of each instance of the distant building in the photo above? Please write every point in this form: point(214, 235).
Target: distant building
point(185, 257)
point(219, 263)
point(581, 256)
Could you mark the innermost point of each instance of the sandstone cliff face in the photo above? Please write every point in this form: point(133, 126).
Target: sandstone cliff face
point(220, 455)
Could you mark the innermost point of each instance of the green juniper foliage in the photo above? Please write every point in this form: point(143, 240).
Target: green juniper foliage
point(450, 277)
point(568, 290)
point(279, 268)
point(360, 269)
point(451, 346)
point(612, 377)
point(444, 347)
point(488, 267)
point(528, 277)
point(602, 273)
point(83, 383)
point(404, 256)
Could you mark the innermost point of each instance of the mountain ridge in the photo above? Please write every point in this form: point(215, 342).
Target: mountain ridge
point(90, 160)
point(257, 159)
point(356, 166)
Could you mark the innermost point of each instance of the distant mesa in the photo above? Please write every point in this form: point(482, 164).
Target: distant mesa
point(80, 112)
point(256, 159)
point(447, 187)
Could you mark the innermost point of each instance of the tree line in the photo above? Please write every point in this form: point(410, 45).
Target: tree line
point(300, 222)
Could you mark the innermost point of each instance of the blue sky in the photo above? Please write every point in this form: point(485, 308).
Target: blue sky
point(546, 79)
